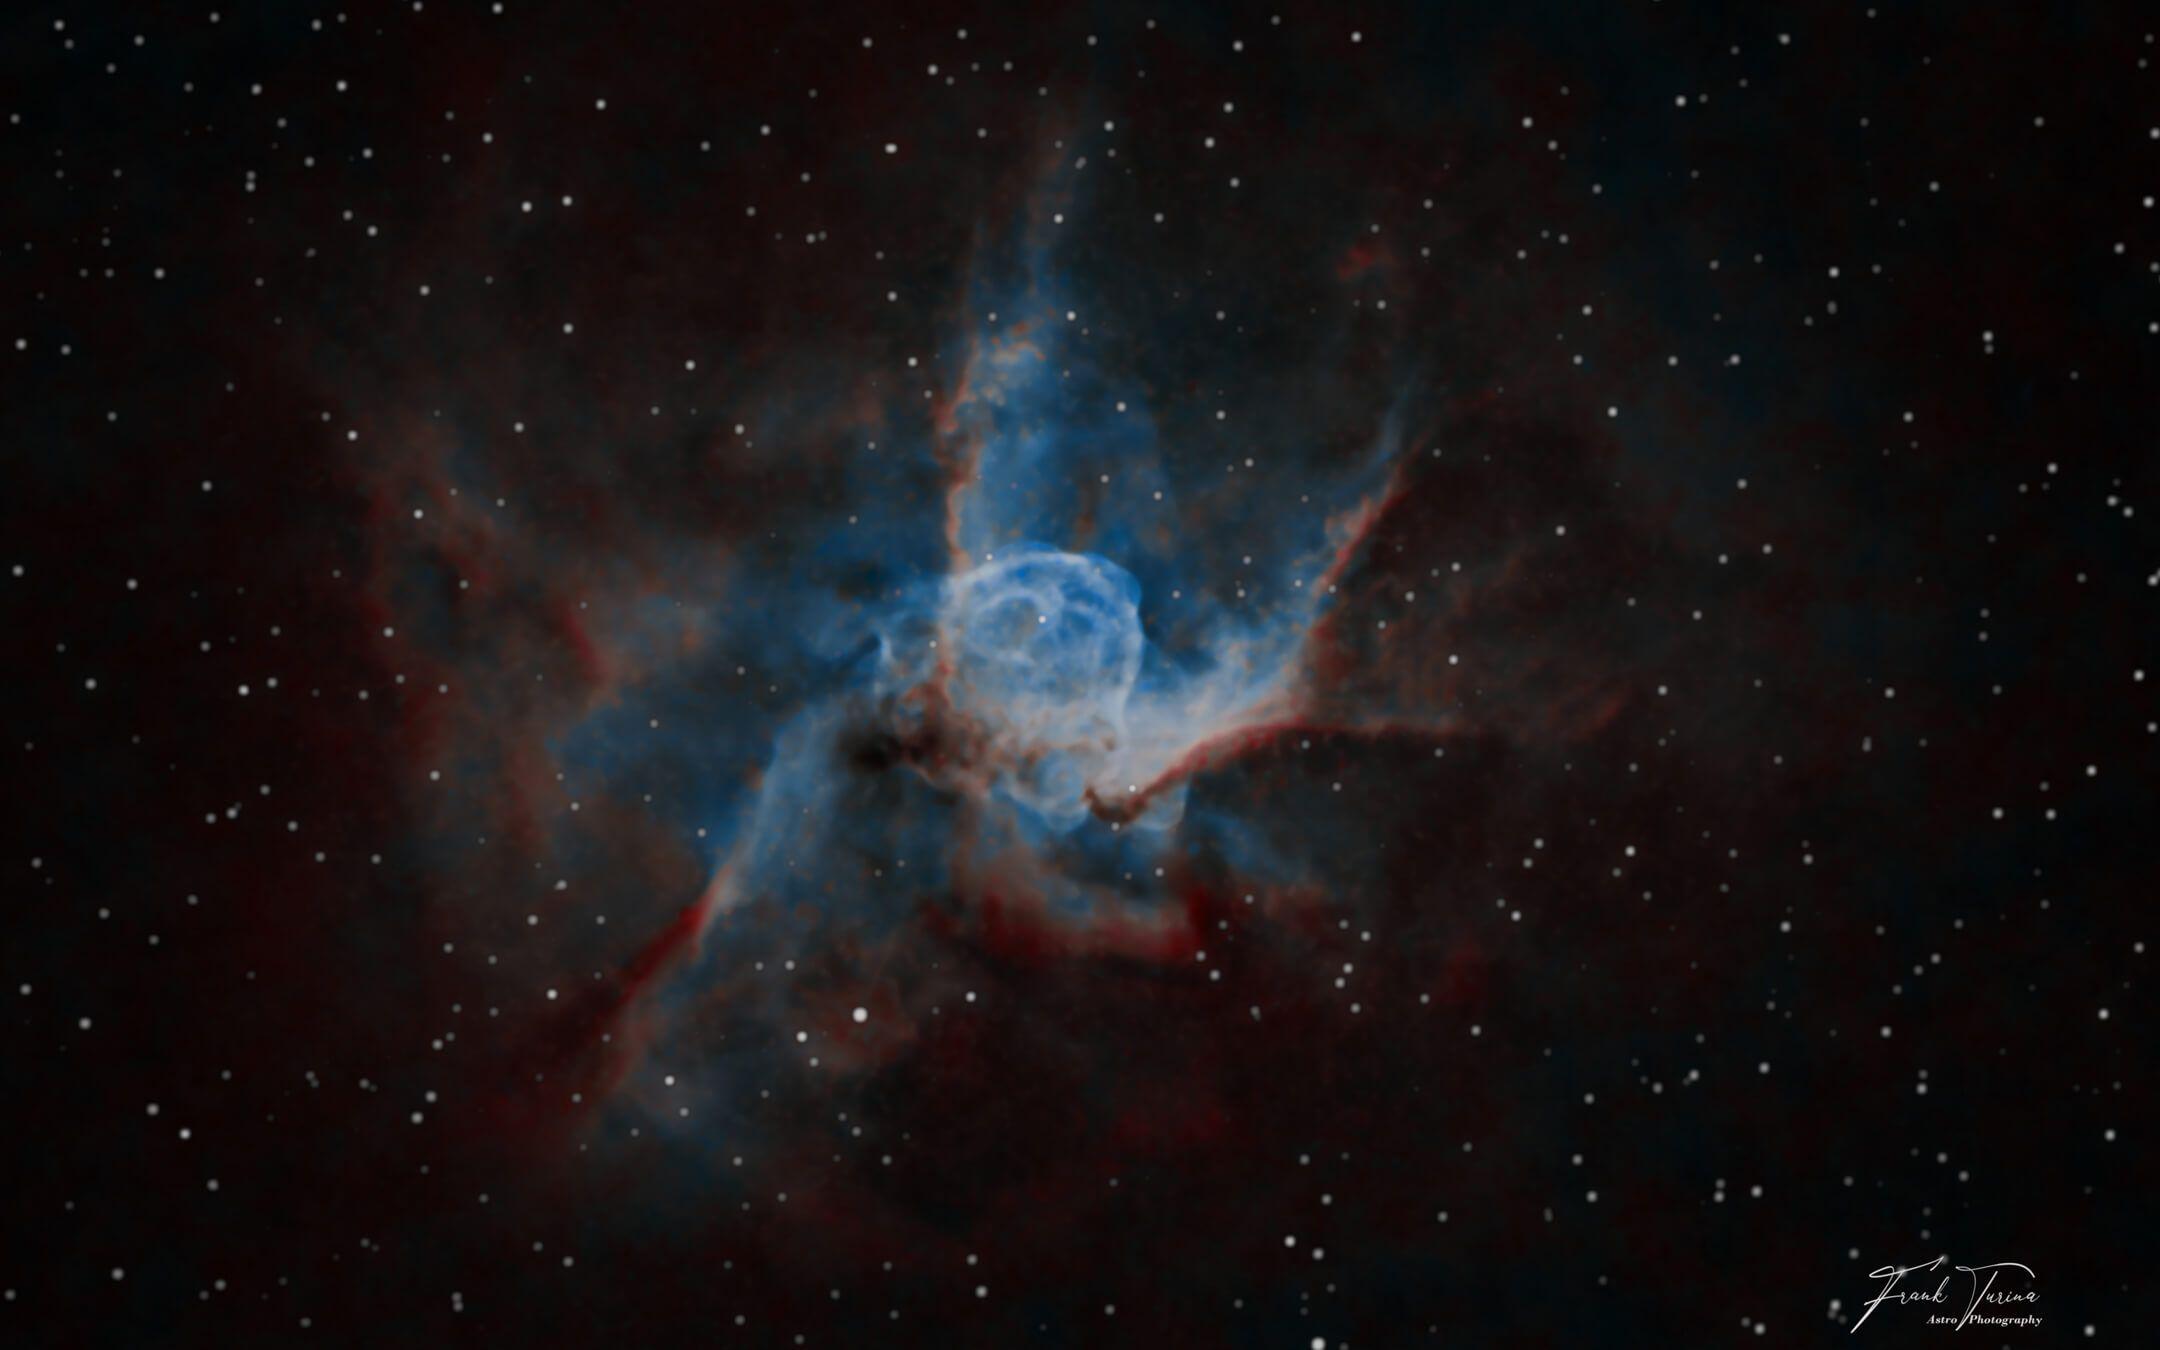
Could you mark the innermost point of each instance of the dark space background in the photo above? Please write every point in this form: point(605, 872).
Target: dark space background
point(1701, 851)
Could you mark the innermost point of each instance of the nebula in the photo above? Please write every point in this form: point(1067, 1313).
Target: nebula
point(1017, 732)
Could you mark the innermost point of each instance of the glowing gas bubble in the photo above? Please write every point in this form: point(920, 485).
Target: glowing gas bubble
point(1045, 648)
point(1046, 643)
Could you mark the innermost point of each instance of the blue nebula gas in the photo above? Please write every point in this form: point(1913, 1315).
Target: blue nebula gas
point(991, 683)
point(1045, 649)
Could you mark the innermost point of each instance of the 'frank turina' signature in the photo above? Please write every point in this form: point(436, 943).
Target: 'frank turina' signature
point(1982, 1289)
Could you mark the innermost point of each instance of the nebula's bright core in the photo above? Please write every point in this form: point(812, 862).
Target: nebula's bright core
point(1044, 648)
